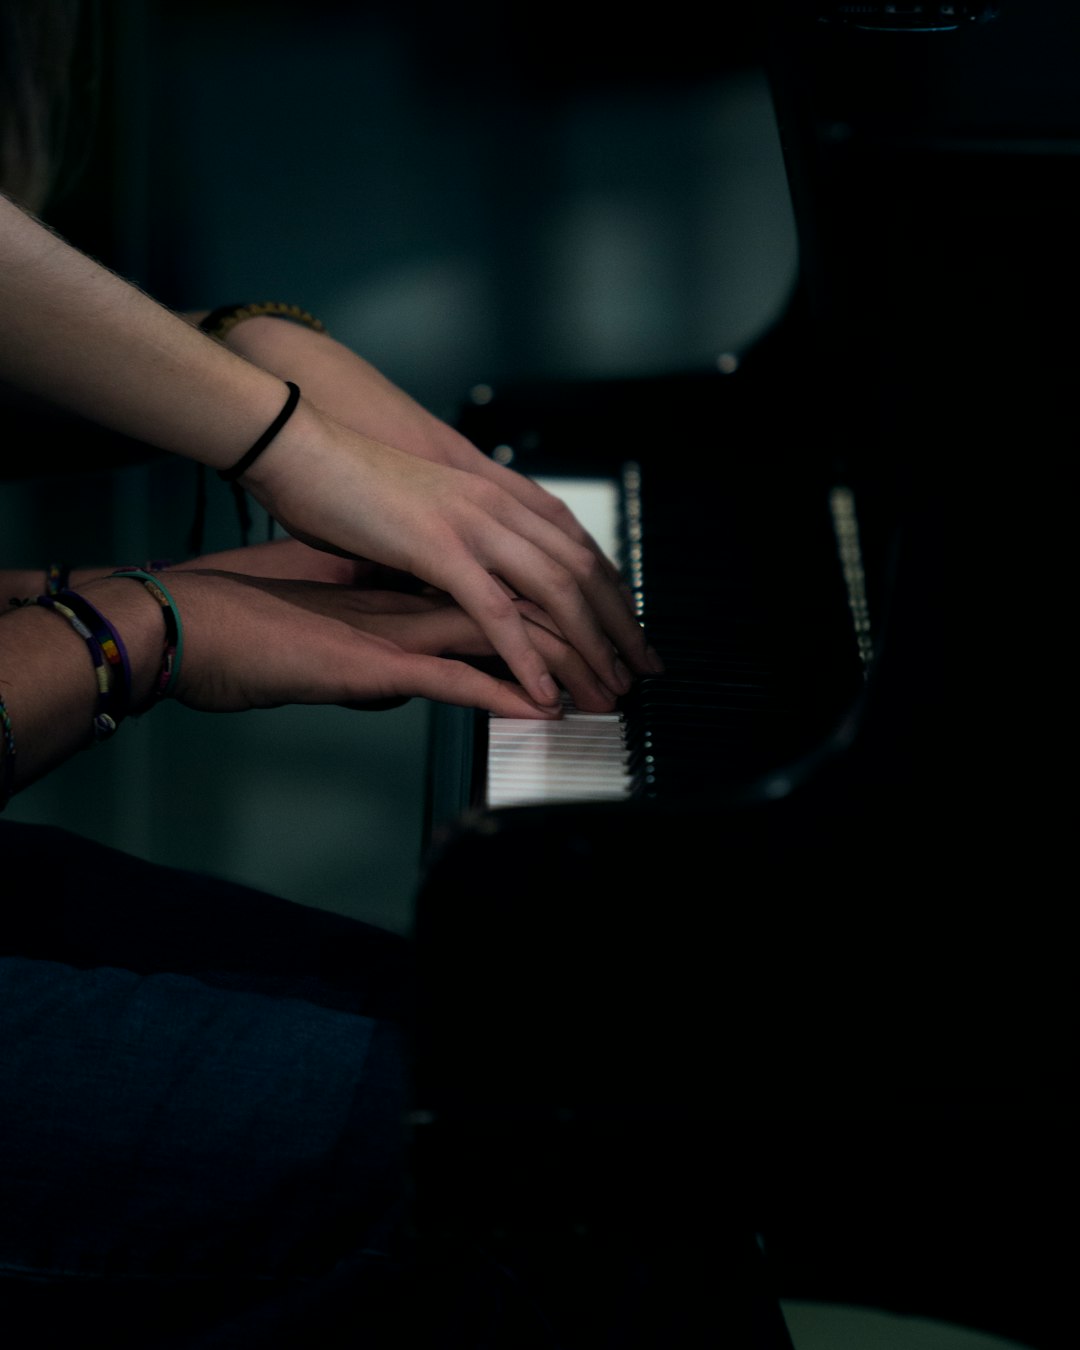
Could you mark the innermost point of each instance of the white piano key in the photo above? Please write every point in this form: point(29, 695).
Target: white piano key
point(580, 758)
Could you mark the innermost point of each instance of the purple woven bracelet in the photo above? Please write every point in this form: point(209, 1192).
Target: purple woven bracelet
point(107, 716)
point(110, 642)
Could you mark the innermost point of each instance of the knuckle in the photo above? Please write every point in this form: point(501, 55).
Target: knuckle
point(497, 607)
point(486, 495)
point(560, 514)
point(562, 581)
point(589, 566)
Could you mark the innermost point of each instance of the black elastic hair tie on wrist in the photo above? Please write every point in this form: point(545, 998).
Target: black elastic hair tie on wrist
point(242, 465)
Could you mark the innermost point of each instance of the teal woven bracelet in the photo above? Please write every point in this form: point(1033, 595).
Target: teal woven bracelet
point(174, 629)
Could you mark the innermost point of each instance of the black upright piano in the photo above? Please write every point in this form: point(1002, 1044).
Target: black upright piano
point(801, 972)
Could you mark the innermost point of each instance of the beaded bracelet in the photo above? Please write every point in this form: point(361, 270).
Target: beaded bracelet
point(174, 629)
point(221, 321)
point(106, 716)
point(7, 758)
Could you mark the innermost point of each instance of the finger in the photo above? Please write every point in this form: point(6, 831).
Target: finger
point(363, 607)
point(523, 553)
point(445, 631)
point(477, 591)
point(608, 598)
point(532, 613)
point(558, 513)
point(548, 506)
point(565, 580)
point(451, 631)
point(586, 691)
point(377, 604)
point(458, 683)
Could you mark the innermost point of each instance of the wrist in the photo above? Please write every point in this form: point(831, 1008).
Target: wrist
point(269, 341)
point(22, 583)
point(300, 442)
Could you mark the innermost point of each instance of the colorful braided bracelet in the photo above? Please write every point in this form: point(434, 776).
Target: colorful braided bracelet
point(110, 707)
point(111, 644)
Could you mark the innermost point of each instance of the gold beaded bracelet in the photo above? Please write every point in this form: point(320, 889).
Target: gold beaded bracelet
point(221, 321)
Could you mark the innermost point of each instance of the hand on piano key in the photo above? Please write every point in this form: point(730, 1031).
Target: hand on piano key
point(360, 397)
point(463, 533)
point(432, 625)
point(583, 756)
point(343, 645)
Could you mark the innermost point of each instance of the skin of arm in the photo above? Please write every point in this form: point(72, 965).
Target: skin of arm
point(349, 389)
point(259, 642)
point(47, 682)
point(71, 325)
point(356, 394)
point(286, 559)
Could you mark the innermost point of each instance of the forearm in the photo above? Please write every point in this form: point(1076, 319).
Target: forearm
point(21, 584)
point(70, 325)
point(282, 558)
point(77, 334)
point(47, 677)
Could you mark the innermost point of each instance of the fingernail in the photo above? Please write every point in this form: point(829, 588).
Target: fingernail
point(653, 658)
point(549, 689)
point(546, 713)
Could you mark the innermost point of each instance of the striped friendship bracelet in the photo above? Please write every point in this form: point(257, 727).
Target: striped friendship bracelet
point(110, 642)
point(108, 715)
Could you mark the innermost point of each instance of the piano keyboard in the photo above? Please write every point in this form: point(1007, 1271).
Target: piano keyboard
point(584, 756)
point(739, 588)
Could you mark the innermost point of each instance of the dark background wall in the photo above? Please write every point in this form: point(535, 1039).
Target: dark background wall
point(462, 197)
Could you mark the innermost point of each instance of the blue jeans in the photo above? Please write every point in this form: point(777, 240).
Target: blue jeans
point(201, 1097)
point(202, 1145)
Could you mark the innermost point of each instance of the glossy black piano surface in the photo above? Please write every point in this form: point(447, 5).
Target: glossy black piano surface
point(737, 574)
point(851, 964)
